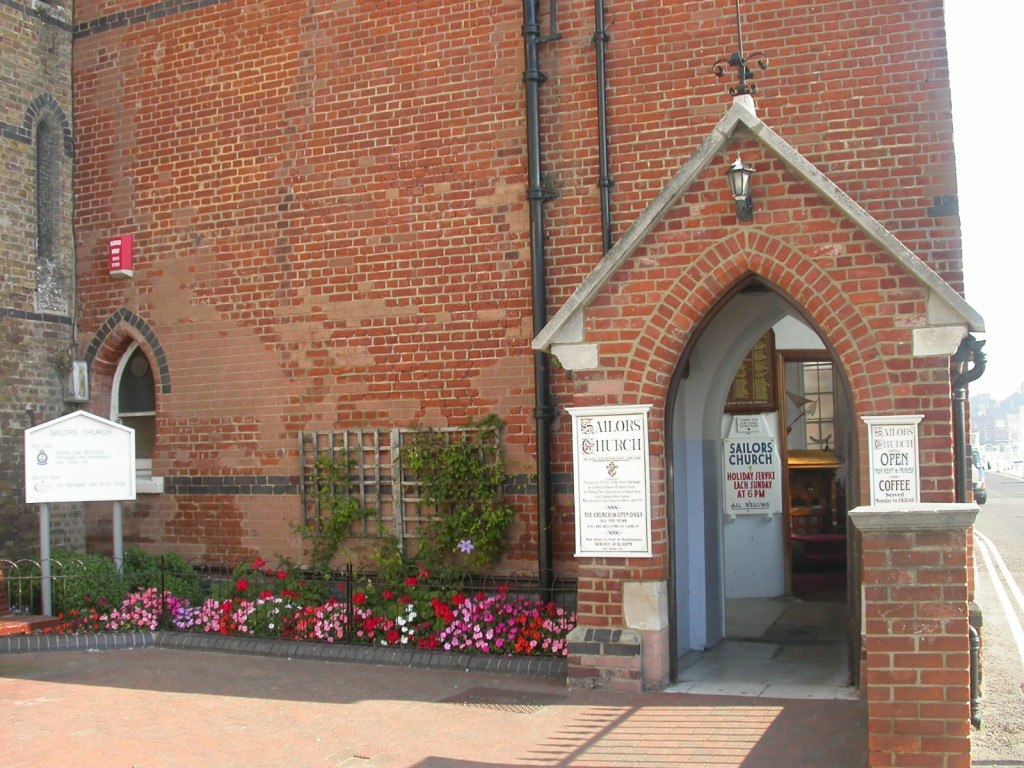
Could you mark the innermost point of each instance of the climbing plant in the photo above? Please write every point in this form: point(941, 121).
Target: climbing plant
point(338, 511)
point(463, 477)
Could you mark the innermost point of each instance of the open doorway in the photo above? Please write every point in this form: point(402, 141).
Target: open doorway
point(817, 455)
point(741, 581)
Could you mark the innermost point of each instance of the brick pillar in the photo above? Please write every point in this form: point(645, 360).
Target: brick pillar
point(631, 658)
point(609, 659)
point(916, 646)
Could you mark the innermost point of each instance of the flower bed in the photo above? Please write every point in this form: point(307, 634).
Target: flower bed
point(266, 602)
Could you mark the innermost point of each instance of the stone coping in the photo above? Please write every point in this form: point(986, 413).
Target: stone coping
point(907, 518)
point(531, 666)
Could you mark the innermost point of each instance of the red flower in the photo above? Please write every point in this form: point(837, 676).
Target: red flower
point(266, 594)
point(260, 562)
point(424, 574)
point(242, 585)
point(389, 595)
point(412, 581)
point(393, 637)
point(282, 575)
point(407, 599)
point(359, 598)
point(459, 600)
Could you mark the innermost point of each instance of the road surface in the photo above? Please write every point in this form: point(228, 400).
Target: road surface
point(999, 569)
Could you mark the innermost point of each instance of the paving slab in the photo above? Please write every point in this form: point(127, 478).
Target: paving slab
point(153, 707)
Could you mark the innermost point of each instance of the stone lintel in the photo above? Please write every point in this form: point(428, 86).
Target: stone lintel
point(907, 518)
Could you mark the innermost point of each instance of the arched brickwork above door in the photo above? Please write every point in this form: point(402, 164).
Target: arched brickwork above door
point(836, 306)
point(113, 337)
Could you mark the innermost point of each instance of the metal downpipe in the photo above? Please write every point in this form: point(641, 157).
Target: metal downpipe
point(605, 181)
point(543, 410)
point(975, 646)
point(969, 352)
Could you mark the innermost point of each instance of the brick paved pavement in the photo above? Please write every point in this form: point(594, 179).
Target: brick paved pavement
point(153, 707)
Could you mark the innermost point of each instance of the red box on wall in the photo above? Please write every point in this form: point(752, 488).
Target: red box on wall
point(122, 258)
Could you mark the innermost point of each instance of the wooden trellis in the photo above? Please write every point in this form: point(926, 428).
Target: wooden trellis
point(375, 477)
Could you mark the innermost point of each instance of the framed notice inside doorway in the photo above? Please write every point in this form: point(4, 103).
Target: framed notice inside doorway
point(753, 387)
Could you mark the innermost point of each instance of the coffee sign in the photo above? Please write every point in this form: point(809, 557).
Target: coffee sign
point(892, 447)
point(611, 475)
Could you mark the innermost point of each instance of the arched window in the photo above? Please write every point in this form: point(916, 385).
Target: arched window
point(133, 403)
point(51, 271)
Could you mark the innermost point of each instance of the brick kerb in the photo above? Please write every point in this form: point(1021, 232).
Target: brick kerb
point(527, 666)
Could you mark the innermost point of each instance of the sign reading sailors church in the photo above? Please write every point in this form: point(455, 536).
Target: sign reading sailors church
point(753, 474)
point(611, 464)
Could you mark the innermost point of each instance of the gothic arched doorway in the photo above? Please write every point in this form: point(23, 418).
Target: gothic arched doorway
point(763, 466)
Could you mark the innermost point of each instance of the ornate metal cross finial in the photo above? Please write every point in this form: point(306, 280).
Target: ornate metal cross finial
point(740, 61)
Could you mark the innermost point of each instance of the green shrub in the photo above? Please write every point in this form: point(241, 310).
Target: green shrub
point(82, 581)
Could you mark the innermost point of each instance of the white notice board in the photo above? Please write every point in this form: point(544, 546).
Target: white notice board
point(79, 457)
point(611, 473)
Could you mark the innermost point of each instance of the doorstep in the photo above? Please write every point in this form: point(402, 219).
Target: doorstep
point(15, 624)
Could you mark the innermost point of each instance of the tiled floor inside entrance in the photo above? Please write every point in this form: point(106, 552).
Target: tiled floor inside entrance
point(775, 648)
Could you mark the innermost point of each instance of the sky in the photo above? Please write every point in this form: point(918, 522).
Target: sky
point(987, 72)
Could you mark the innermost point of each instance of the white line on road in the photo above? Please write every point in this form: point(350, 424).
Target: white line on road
point(1007, 575)
point(982, 544)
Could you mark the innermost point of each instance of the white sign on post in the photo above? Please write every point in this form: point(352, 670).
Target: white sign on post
point(77, 457)
point(892, 447)
point(612, 485)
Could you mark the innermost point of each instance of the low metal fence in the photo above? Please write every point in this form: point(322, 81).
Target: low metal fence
point(93, 587)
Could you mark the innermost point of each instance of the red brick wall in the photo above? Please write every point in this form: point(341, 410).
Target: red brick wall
point(917, 665)
point(328, 202)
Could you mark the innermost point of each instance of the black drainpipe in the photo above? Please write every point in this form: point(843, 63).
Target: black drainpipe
point(543, 410)
point(605, 182)
point(968, 352)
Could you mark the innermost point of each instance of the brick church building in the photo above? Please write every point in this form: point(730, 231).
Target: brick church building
point(347, 219)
